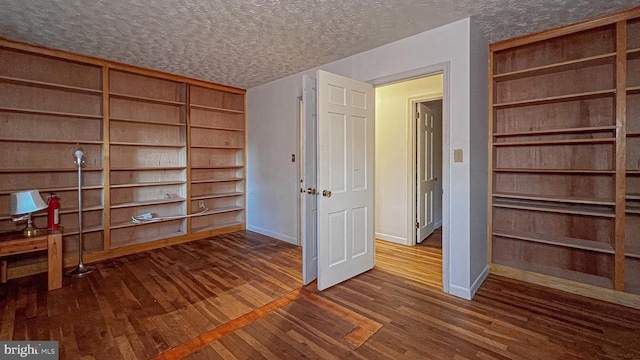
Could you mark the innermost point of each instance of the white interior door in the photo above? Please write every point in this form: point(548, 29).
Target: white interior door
point(345, 178)
point(426, 180)
point(308, 157)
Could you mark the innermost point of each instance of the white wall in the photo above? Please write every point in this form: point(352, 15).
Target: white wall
point(479, 124)
point(272, 117)
point(272, 179)
point(394, 155)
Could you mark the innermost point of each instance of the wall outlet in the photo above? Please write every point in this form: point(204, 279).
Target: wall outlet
point(201, 204)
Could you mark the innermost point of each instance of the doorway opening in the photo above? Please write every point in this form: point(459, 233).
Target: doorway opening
point(399, 138)
point(409, 170)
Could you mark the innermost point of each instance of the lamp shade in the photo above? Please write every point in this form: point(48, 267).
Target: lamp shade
point(25, 202)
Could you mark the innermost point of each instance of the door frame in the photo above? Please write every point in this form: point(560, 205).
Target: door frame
point(412, 183)
point(301, 162)
point(443, 68)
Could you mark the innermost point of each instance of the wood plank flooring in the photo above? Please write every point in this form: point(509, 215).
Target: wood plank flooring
point(141, 306)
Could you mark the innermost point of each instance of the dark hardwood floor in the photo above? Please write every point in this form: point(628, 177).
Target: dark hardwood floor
point(239, 296)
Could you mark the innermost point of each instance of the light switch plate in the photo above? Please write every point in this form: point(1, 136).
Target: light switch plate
point(457, 155)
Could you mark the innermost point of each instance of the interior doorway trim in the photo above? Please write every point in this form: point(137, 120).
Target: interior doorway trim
point(443, 68)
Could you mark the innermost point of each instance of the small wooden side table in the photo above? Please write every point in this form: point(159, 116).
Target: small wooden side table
point(17, 243)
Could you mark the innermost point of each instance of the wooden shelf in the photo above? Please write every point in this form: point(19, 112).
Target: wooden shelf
point(632, 210)
point(577, 276)
point(632, 196)
point(62, 211)
point(633, 90)
point(146, 99)
point(216, 180)
point(148, 145)
point(558, 67)
point(551, 208)
point(557, 171)
point(51, 113)
point(633, 172)
point(214, 196)
point(45, 170)
point(557, 99)
point(212, 108)
point(145, 184)
point(146, 239)
point(568, 200)
point(147, 202)
point(581, 130)
point(154, 168)
point(84, 209)
point(58, 189)
point(131, 224)
point(85, 230)
point(633, 251)
point(49, 141)
point(48, 85)
point(217, 147)
point(633, 54)
point(215, 128)
point(219, 211)
point(146, 122)
point(555, 142)
point(215, 227)
point(558, 241)
point(217, 167)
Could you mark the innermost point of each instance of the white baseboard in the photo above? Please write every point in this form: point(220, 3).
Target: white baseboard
point(437, 224)
point(460, 292)
point(391, 238)
point(479, 280)
point(275, 235)
point(468, 294)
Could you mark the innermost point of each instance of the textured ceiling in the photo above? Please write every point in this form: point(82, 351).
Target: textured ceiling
point(245, 43)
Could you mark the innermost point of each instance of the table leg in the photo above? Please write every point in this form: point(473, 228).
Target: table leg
point(3, 270)
point(55, 261)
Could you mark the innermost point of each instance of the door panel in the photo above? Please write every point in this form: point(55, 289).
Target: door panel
point(425, 172)
point(337, 237)
point(359, 237)
point(345, 176)
point(337, 153)
point(359, 151)
point(308, 156)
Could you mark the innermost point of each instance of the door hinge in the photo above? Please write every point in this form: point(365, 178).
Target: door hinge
point(417, 116)
point(417, 225)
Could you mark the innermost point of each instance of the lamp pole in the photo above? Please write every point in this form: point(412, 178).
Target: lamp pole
point(81, 269)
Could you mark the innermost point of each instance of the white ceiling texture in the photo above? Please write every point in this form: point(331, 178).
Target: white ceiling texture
point(245, 43)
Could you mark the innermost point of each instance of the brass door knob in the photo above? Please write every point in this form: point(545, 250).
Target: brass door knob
point(326, 193)
point(311, 191)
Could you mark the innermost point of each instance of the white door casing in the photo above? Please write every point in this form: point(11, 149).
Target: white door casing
point(425, 171)
point(346, 245)
point(308, 157)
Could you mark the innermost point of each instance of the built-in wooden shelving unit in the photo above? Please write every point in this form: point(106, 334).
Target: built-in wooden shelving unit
point(154, 143)
point(565, 158)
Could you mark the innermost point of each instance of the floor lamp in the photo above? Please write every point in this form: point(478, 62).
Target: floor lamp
point(81, 269)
